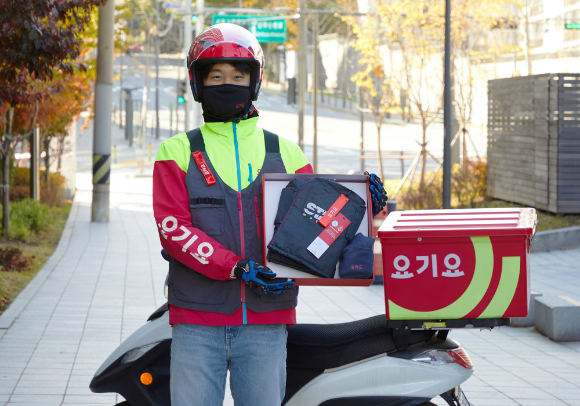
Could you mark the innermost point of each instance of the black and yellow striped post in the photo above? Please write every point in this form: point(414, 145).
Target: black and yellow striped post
point(103, 121)
point(101, 169)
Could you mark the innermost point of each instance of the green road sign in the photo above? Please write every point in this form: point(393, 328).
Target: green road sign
point(572, 26)
point(265, 28)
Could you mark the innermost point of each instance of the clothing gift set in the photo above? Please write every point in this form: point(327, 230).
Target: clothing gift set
point(313, 223)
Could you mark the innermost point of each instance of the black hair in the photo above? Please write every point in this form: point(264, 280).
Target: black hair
point(242, 67)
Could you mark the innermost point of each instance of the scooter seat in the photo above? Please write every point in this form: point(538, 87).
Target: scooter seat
point(323, 346)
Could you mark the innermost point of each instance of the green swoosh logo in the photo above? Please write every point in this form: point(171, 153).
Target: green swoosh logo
point(472, 296)
point(510, 275)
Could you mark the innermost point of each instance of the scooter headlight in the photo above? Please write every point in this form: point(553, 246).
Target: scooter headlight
point(137, 353)
point(441, 357)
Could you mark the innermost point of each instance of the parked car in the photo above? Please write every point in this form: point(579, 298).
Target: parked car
point(134, 48)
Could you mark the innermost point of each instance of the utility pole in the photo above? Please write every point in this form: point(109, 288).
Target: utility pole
point(315, 94)
point(145, 96)
point(362, 129)
point(121, 92)
point(344, 69)
point(196, 107)
point(103, 104)
point(447, 111)
point(157, 70)
point(186, 45)
point(301, 71)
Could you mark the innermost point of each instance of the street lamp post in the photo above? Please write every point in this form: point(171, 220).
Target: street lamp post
point(157, 70)
point(301, 72)
point(447, 111)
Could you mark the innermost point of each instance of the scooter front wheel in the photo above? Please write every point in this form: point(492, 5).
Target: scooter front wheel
point(428, 404)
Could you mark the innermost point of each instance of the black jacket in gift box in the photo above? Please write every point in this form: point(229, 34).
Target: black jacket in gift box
point(302, 204)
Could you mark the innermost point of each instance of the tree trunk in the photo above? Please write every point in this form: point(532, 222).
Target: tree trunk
point(59, 151)
point(423, 152)
point(47, 162)
point(380, 159)
point(6, 193)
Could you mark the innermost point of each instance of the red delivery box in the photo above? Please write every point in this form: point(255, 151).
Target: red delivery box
point(457, 264)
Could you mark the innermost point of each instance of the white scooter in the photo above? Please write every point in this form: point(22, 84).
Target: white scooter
point(361, 363)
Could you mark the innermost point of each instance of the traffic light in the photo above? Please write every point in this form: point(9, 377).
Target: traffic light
point(181, 90)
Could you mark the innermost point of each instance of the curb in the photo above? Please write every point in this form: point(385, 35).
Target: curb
point(19, 304)
point(558, 239)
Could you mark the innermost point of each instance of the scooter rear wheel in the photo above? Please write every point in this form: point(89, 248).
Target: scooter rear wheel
point(422, 404)
point(125, 403)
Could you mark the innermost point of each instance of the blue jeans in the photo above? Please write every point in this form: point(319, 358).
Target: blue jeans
point(254, 354)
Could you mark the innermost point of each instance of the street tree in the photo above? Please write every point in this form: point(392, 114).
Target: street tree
point(38, 38)
point(413, 34)
point(476, 37)
point(375, 78)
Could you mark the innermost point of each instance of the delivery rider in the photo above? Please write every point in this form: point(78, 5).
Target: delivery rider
point(227, 311)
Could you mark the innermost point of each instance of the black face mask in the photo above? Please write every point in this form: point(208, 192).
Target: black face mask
point(223, 103)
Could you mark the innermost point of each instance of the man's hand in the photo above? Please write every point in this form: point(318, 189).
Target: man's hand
point(260, 278)
point(378, 193)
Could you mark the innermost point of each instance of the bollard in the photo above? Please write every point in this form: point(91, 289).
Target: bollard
point(402, 165)
point(149, 151)
point(115, 153)
point(291, 90)
point(128, 117)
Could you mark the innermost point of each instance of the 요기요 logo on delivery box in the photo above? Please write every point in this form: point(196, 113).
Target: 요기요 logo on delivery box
point(425, 269)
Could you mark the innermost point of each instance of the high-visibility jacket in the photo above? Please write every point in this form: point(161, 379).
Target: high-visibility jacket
point(236, 152)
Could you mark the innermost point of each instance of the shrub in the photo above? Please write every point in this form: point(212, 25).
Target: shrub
point(12, 260)
point(28, 217)
point(50, 193)
point(468, 188)
point(4, 300)
point(430, 197)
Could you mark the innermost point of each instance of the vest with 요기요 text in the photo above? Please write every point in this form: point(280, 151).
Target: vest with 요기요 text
point(232, 218)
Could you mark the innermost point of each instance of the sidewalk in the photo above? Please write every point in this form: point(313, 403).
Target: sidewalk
point(104, 280)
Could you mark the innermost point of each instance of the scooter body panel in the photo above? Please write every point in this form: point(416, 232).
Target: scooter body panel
point(382, 376)
point(151, 332)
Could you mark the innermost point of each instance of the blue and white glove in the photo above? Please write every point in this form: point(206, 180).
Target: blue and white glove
point(378, 193)
point(261, 278)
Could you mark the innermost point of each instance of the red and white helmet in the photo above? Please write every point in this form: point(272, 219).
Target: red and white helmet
point(225, 43)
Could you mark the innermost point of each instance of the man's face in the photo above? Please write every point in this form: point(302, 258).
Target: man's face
point(226, 74)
